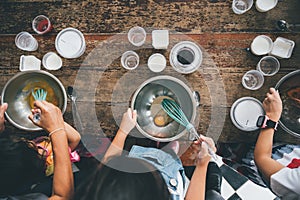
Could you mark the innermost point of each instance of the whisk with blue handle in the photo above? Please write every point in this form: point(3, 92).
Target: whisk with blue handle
point(38, 95)
point(176, 113)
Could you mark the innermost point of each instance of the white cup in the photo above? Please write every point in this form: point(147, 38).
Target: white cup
point(52, 61)
point(265, 5)
point(253, 80)
point(241, 6)
point(25, 41)
point(268, 65)
point(261, 45)
point(130, 60)
point(137, 36)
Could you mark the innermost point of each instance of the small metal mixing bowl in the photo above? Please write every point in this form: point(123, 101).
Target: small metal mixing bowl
point(148, 92)
point(17, 93)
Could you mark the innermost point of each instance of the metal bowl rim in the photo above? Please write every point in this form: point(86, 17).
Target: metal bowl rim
point(280, 82)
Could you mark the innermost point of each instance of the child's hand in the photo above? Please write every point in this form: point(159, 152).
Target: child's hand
point(273, 105)
point(3, 109)
point(128, 121)
point(50, 116)
point(203, 155)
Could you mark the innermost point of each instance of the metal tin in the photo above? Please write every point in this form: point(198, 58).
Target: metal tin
point(244, 113)
point(70, 43)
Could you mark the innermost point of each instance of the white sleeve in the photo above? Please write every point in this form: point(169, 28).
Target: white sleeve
point(286, 181)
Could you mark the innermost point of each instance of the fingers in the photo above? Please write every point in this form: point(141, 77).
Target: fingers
point(197, 142)
point(3, 109)
point(271, 95)
point(129, 112)
point(134, 115)
point(40, 104)
point(272, 90)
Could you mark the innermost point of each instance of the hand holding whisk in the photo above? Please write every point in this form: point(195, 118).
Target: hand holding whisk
point(176, 113)
point(38, 95)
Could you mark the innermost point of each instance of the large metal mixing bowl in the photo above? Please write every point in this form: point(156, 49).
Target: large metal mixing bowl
point(143, 101)
point(289, 90)
point(17, 93)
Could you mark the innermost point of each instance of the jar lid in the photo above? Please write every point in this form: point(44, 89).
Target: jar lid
point(70, 43)
point(244, 113)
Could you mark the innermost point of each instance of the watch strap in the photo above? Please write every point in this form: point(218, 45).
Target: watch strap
point(271, 124)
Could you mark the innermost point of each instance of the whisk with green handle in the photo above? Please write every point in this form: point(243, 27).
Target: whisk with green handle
point(176, 113)
point(38, 95)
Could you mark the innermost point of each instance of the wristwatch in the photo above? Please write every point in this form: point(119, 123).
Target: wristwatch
point(265, 122)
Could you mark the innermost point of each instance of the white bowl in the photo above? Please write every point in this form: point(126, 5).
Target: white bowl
point(265, 5)
point(261, 45)
point(52, 61)
point(157, 62)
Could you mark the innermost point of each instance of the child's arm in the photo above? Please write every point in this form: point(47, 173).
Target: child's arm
point(127, 124)
point(72, 135)
point(197, 186)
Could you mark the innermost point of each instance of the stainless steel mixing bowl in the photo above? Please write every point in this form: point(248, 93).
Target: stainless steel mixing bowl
point(290, 116)
point(157, 87)
point(17, 93)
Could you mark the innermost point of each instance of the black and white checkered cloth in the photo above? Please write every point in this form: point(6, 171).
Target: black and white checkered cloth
point(236, 186)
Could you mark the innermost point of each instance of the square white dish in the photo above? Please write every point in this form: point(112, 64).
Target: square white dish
point(29, 63)
point(282, 47)
point(160, 39)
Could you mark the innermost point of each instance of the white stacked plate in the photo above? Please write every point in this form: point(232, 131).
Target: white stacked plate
point(70, 43)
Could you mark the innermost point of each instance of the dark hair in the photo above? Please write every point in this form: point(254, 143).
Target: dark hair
point(109, 182)
point(20, 164)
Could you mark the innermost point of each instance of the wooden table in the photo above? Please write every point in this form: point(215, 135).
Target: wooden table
point(223, 36)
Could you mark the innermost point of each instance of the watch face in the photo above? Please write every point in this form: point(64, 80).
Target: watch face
point(260, 121)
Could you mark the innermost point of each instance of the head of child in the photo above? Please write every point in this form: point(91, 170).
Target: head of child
point(111, 181)
point(20, 164)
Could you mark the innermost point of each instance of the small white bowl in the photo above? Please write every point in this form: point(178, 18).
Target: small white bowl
point(52, 61)
point(261, 45)
point(265, 5)
point(157, 62)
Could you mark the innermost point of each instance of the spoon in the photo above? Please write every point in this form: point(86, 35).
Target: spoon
point(284, 26)
point(73, 96)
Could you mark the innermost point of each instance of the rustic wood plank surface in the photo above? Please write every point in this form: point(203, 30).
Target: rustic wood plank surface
point(222, 35)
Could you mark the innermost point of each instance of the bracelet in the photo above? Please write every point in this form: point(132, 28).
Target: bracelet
point(59, 129)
